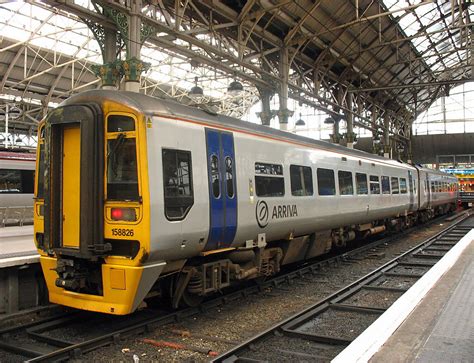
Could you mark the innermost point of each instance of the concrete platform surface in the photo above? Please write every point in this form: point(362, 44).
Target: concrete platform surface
point(441, 328)
point(17, 246)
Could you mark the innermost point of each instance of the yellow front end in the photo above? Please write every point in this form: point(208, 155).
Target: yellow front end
point(120, 286)
point(120, 277)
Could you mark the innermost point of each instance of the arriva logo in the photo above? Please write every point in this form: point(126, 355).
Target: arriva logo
point(261, 212)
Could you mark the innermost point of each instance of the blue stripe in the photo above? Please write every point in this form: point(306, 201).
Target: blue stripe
point(223, 208)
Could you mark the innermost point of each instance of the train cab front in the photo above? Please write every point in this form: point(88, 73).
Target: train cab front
point(90, 221)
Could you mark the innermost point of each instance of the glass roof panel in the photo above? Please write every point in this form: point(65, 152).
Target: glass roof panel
point(68, 35)
point(431, 26)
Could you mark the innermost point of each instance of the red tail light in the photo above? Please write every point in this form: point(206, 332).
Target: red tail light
point(123, 214)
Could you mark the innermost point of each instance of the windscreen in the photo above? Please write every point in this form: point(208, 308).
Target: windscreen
point(122, 177)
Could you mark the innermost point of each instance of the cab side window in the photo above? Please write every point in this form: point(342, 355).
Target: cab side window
point(177, 183)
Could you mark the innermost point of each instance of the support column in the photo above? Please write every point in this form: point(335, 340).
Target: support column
point(409, 142)
point(132, 66)
point(266, 114)
point(132, 33)
point(283, 112)
point(336, 136)
point(109, 72)
point(7, 114)
point(386, 136)
point(350, 135)
point(375, 137)
point(317, 82)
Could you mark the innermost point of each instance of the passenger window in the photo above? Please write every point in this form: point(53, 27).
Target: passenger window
point(394, 185)
point(433, 187)
point(229, 177)
point(385, 185)
point(374, 184)
point(403, 186)
point(215, 177)
point(361, 183)
point(301, 179)
point(178, 183)
point(346, 186)
point(326, 182)
point(269, 180)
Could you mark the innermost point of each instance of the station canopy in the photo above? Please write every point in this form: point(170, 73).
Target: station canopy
point(399, 56)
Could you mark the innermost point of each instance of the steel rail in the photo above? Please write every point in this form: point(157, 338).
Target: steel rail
point(288, 326)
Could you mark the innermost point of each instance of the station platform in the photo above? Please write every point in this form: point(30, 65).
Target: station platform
point(17, 246)
point(432, 322)
point(441, 328)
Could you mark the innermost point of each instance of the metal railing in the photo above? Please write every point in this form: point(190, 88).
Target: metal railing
point(16, 216)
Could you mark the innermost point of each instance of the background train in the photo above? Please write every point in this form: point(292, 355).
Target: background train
point(16, 179)
point(140, 196)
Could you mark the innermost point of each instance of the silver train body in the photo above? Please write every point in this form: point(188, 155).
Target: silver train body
point(288, 216)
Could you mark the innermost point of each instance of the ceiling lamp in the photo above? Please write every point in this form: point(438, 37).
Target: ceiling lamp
point(235, 88)
point(196, 91)
point(18, 139)
point(300, 122)
point(329, 120)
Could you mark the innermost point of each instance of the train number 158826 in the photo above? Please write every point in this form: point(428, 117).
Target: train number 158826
point(123, 232)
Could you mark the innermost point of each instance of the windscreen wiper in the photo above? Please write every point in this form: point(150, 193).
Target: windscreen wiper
point(118, 143)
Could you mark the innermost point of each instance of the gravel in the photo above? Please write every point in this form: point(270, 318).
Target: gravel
point(291, 350)
point(373, 298)
point(392, 281)
point(411, 270)
point(339, 324)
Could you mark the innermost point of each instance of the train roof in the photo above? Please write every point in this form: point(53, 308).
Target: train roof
point(436, 172)
point(158, 106)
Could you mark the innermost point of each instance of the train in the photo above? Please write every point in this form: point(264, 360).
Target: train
point(139, 197)
point(16, 179)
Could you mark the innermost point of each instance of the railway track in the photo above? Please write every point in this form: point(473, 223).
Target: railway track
point(324, 329)
point(44, 340)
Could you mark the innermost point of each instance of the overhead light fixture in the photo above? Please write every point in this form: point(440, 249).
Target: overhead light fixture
point(329, 120)
point(235, 88)
point(18, 139)
point(196, 91)
point(300, 122)
point(14, 112)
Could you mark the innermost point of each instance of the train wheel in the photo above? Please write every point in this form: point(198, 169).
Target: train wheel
point(181, 290)
point(190, 300)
